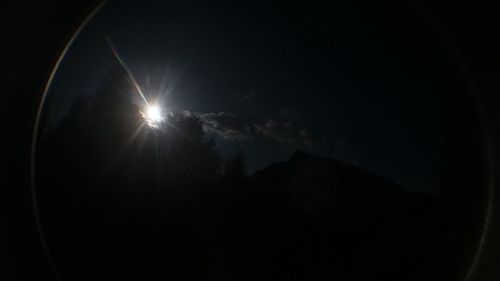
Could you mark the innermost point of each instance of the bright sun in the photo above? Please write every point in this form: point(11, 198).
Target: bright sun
point(153, 115)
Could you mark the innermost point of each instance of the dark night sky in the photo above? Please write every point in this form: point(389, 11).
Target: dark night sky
point(354, 81)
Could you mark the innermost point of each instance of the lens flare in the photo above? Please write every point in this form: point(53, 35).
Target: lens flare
point(153, 116)
point(151, 113)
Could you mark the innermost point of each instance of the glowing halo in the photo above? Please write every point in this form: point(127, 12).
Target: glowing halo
point(153, 116)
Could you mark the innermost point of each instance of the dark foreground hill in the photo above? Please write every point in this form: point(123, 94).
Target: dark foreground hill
point(307, 218)
point(316, 219)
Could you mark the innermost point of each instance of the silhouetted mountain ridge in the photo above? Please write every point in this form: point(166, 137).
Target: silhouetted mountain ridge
point(331, 188)
point(311, 214)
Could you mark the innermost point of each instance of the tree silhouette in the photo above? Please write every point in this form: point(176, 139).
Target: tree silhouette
point(110, 182)
point(126, 201)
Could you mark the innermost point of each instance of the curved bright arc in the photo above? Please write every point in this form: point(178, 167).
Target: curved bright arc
point(34, 201)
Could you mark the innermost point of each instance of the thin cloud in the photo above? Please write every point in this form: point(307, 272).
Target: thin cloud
point(225, 125)
point(229, 127)
point(284, 132)
point(306, 137)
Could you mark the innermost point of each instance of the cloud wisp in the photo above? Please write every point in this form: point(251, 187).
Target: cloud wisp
point(231, 128)
point(225, 125)
point(284, 132)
